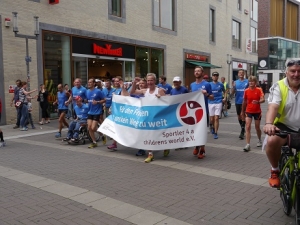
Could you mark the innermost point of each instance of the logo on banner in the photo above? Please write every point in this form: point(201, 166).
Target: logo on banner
point(190, 112)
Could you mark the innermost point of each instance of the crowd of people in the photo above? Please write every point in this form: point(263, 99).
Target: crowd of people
point(90, 106)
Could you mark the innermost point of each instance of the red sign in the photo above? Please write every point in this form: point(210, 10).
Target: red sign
point(52, 2)
point(107, 50)
point(196, 57)
point(11, 88)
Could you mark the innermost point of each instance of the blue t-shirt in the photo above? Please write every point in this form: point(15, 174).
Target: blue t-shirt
point(82, 112)
point(203, 85)
point(78, 92)
point(108, 96)
point(167, 88)
point(96, 95)
point(181, 90)
point(217, 90)
point(118, 91)
point(61, 99)
point(240, 87)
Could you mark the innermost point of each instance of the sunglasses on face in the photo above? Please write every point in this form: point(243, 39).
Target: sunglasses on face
point(293, 62)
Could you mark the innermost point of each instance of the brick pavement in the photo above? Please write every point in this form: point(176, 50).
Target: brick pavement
point(223, 188)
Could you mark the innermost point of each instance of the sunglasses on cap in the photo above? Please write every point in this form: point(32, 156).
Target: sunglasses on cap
point(293, 62)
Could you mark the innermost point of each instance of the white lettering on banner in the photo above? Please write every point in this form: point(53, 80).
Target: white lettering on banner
point(158, 124)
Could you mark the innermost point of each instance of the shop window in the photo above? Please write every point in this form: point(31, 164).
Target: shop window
point(236, 34)
point(117, 10)
point(57, 65)
point(239, 6)
point(254, 39)
point(164, 14)
point(212, 24)
point(142, 61)
point(254, 10)
point(157, 62)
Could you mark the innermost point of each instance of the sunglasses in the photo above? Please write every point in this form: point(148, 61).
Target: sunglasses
point(293, 62)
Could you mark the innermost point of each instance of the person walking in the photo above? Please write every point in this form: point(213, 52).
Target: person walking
point(238, 88)
point(225, 95)
point(201, 85)
point(15, 98)
point(164, 85)
point(42, 98)
point(215, 105)
point(62, 106)
point(29, 106)
point(253, 97)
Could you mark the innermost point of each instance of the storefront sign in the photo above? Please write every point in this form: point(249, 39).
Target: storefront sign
point(239, 65)
point(263, 64)
point(196, 57)
point(102, 48)
point(107, 50)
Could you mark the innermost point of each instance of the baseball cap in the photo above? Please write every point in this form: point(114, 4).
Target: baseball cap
point(215, 74)
point(97, 80)
point(205, 76)
point(176, 79)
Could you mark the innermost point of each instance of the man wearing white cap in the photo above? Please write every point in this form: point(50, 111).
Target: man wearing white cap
point(178, 89)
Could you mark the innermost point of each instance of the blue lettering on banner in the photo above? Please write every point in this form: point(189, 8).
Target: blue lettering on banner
point(145, 117)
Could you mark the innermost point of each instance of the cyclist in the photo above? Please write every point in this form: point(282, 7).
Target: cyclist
point(225, 95)
point(253, 97)
point(283, 114)
point(238, 88)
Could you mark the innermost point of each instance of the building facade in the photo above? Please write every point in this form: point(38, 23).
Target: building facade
point(278, 37)
point(108, 38)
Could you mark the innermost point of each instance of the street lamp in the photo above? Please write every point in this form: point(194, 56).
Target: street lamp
point(229, 61)
point(36, 34)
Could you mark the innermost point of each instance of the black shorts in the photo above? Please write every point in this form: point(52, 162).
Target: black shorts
point(60, 111)
point(256, 116)
point(281, 126)
point(94, 117)
point(238, 108)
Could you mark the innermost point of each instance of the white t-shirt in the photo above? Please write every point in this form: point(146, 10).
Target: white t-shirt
point(147, 93)
point(292, 107)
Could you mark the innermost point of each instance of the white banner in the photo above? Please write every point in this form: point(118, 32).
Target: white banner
point(153, 123)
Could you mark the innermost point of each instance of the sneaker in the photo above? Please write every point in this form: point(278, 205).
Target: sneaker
point(216, 136)
point(103, 140)
point(166, 153)
point(93, 145)
point(274, 180)
point(67, 139)
point(149, 158)
point(212, 130)
point(140, 152)
point(15, 127)
point(259, 144)
point(24, 129)
point(196, 151)
point(41, 123)
point(58, 134)
point(112, 146)
point(242, 135)
point(48, 121)
point(202, 153)
point(246, 148)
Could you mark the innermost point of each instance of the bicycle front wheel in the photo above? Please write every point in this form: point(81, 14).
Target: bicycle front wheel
point(286, 185)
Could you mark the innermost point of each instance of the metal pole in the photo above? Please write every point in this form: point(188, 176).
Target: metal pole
point(27, 59)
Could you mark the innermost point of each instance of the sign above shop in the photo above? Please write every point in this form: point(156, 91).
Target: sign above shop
point(100, 48)
point(196, 57)
point(107, 50)
point(263, 64)
point(239, 65)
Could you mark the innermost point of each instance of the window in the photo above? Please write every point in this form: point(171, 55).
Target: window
point(116, 10)
point(116, 7)
point(212, 34)
point(236, 34)
point(239, 6)
point(254, 10)
point(163, 13)
point(254, 39)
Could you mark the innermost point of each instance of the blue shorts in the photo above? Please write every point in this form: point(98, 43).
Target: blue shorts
point(256, 116)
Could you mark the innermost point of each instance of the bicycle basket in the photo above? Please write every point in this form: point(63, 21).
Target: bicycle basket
point(228, 104)
point(293, 140)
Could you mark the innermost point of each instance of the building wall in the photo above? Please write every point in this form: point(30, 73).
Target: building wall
point(192, 33)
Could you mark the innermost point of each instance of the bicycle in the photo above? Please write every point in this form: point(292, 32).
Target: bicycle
point(289, 165)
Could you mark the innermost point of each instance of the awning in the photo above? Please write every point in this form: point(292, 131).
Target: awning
point(203, 64)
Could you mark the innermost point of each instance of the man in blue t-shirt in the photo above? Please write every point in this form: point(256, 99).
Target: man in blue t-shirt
point(215, 105)
point(163, 84)
point(81, 112)
point(178, 89)
point(95, 99)
point(239, 87)
point(108, 93)
point(77, 90)
point(205, 88)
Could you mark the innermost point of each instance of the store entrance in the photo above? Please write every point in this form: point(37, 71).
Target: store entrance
point(85, 68)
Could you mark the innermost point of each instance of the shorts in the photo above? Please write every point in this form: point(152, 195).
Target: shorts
point(256, 116)
point(215, 109)
point(238, 108)
point(94, 117)
point(60, 111)
point(281, 126)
